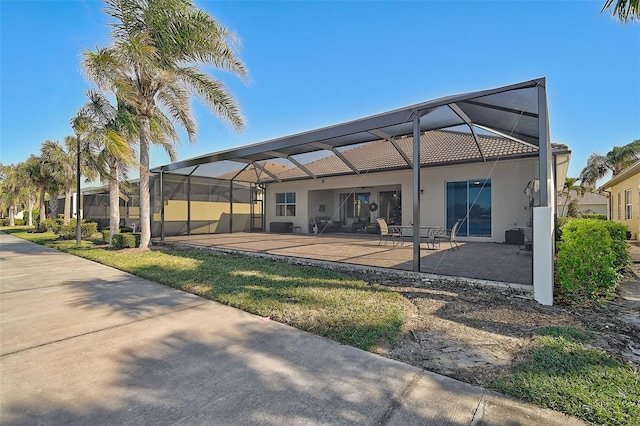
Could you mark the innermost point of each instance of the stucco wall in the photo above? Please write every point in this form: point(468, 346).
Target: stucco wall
point(632, 183)
point(508, 180)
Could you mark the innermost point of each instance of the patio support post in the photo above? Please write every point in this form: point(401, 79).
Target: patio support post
point(161, 205)
point(416, 191)
point(189, 205)
point(543, 229)
point(231, 207)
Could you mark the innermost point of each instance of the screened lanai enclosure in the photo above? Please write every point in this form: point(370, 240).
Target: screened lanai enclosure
point(500, 174)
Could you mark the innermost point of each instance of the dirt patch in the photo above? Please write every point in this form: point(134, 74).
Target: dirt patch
point(475, 334)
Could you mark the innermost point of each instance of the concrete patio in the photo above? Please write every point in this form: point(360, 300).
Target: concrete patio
point(474, 260)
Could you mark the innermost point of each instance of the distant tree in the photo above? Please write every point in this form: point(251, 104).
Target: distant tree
point(570, 184)
point(624, 10)
point(572, 209)
point(61, 162)
point(615, 161)
point(45, 177)
point(154, 62)
point(11, 191)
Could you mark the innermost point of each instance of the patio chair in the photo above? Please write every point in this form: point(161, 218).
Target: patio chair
point(448, 235)
point(385, 232)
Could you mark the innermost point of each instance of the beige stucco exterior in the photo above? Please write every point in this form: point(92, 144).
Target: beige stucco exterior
point(626, 184)
point(509, 202)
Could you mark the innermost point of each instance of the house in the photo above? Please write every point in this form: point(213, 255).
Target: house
point(623, 193)
point(490, 195)
point(587, 203)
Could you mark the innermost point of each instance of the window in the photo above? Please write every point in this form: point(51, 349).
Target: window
point(285, 204)
point(627, 204)
point(619, 206)
point(471, 201)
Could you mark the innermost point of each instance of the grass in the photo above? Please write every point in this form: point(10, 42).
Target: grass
point(561, 372)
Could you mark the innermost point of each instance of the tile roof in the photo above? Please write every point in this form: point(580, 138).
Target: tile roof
point(437, 147)
point(587, 198)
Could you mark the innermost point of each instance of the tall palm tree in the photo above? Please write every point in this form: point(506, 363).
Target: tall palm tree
point(107, 130)
point(615, 161)
point(624, 10)
point(155, 63)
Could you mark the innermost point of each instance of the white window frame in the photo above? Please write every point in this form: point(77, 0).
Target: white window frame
point(619, 205)
point(287, 207)
point(628, 205)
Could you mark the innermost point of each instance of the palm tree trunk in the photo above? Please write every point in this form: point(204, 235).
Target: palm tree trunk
point(67, 204)
point(43, 208)
point(145, 205)
point(32, 202)
point(114, 204)
point(12, 215)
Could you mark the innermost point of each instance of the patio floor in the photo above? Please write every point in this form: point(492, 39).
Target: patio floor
point(475, 260)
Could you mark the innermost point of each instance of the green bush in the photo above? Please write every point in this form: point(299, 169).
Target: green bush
point(47, 225)
point(560, 224)
point(126, 230)
point(127, 240)
point(68, 231)
point(18, 222)
point(595, 216)
point(106, 234)
point(4, 222)
point(589, 260)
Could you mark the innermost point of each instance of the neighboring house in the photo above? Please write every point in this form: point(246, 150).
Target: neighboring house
point(623, 192)
point(588, 203)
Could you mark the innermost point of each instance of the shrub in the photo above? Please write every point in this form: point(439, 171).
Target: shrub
point(589, 260)
point(4, 222)
point(595, 216)
point(127, 240)
point(18, 222)
point(47, 225)
point(106, 234)
point(68, 231)
point(560, 223)
point(126, 230)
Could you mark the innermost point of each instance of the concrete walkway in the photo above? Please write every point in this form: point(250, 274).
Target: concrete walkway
point(82, 343)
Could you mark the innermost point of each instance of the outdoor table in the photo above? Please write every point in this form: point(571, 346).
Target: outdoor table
point(430, 234)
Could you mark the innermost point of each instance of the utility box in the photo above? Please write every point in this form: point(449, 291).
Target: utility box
point(514, 237)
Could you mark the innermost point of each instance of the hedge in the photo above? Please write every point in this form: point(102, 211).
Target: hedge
point(591, 256)
point(126, 240)
point(68, 231)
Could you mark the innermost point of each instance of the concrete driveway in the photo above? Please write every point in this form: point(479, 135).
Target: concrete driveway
point(82, 343)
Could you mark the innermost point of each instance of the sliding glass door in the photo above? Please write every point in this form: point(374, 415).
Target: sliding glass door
point(470, 201)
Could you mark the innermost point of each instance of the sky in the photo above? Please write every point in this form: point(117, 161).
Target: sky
point(318, 63)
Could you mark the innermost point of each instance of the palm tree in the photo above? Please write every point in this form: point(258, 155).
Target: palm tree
point(615, 161)
point(570, 185)
point(107, 130)
point(11, 191)
point(154, 63)
point(624, 10)
point(62, 162)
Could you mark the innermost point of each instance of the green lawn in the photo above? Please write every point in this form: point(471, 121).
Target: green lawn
point(561, 372)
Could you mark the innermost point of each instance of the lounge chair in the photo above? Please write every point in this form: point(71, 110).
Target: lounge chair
point(385, 232)
point(448, 235)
